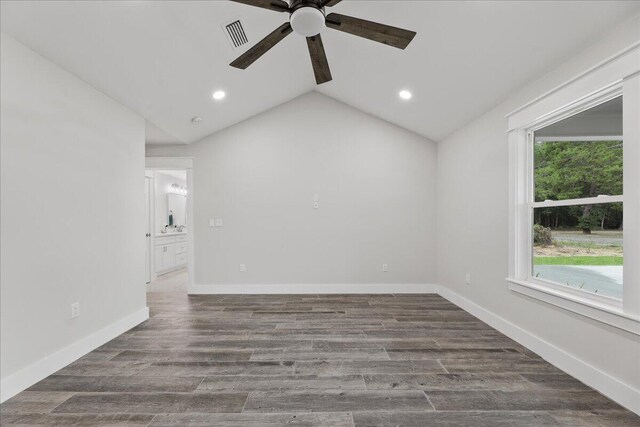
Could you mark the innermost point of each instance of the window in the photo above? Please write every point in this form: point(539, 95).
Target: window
point(576, 201)
point(574, 194)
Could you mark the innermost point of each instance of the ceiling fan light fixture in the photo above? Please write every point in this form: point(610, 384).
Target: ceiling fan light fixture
point(307, 21)
point(307, 18)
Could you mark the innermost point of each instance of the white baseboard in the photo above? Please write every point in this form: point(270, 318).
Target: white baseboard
point(316, 288)
point(611, 387)
point(30, 375)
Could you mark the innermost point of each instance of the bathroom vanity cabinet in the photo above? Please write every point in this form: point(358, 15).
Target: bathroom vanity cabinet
point(171, 252)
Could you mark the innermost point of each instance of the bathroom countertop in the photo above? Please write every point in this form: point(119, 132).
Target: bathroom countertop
point(173, 233)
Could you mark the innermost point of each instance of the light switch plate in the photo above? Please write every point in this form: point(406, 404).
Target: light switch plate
point(385, 267)
point(212, 223)
point(219, 222)
point(243, 267)
point(316, 198)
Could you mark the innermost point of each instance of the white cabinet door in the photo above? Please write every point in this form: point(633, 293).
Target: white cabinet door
point(159, 257)
point(165, 257)
point(169, 257)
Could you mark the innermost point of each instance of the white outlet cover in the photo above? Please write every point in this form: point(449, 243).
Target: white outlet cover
point(212, 223)
point(219, 222)
point(316, 198)
point(75, 310)
point(385, 267)
point(243, 267)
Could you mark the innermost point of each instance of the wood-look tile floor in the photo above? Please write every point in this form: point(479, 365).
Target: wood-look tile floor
point(332, 360)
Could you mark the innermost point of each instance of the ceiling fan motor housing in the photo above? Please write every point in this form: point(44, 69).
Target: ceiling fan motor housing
point(307, 17)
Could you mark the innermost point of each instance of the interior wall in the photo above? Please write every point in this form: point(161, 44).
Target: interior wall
point(473, 227)
point(376, 188)
point(72, 211)
point(162, 183)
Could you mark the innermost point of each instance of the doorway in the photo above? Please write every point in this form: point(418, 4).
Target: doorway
point(170, 226)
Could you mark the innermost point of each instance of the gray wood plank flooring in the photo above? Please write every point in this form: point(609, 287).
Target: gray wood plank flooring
point(311, 360)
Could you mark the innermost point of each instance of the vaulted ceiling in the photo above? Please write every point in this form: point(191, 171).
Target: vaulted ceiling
point(164, 59)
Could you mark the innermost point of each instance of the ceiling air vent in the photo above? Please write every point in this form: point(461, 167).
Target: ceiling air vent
point(235, 33)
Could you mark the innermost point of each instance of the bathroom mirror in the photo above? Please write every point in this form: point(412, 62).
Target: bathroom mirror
point(176, 209)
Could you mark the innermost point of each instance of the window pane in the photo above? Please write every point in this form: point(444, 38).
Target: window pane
point(580, 156)
point(580, 247)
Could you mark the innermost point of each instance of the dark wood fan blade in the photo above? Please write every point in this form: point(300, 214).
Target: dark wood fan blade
point(260, 48)
point(330, 3)
point(277, 5)
point(392, 36)
point(319, 59)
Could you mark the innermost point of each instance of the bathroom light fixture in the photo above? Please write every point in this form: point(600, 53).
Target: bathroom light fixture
point(177, 189)
point(218, 95)
point(405, 94)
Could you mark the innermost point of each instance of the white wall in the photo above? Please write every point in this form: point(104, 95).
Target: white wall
point(376, 185)
point(162, 182)
point(72, 211)
point(473, 229)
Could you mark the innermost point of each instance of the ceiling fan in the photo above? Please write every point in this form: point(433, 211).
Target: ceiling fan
point(307, 18)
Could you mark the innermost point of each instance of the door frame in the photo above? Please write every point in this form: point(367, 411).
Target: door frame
point(176, 163)
point(151, 243)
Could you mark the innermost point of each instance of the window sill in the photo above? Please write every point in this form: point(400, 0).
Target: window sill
point(610, 315)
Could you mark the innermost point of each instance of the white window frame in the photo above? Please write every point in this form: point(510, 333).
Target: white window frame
point(598, 99)
point(618, 75)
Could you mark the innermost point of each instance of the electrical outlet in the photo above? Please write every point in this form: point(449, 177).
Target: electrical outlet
point(316, 198)
point(385, 267)
point(467, 278)
point(75, 310)
point(243, 267)
point(219, 222)
point(212, 222)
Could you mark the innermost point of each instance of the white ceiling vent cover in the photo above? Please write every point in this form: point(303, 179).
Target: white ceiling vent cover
point(235, 33)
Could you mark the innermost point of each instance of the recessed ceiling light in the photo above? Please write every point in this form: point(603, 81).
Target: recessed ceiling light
point(218, 95)
point(196, 120)
point(405, 94)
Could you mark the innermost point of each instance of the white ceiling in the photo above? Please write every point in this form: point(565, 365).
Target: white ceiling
point(163, 59)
